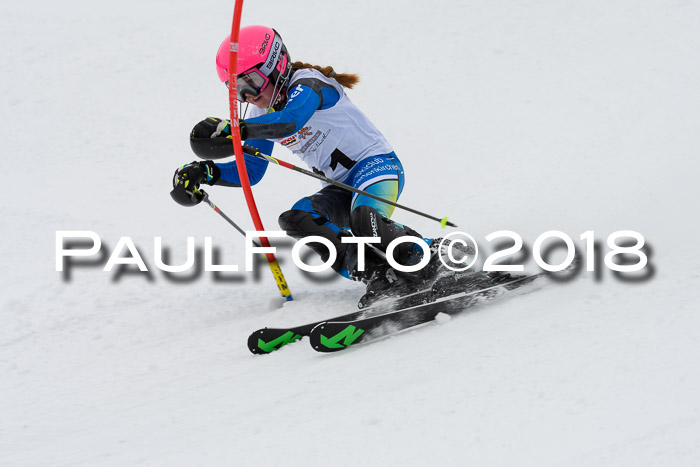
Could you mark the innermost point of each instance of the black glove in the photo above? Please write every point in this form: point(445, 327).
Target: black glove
point(187, 179)
point(198, 172)
point(212, 127)
point(211, 138)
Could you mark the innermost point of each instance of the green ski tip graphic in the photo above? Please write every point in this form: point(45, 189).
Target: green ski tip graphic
point(349, 334)
point(443, 222)
point(286, 338)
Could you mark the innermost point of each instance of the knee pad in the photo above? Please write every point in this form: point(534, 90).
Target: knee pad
point(292, 222)
point(299, 224)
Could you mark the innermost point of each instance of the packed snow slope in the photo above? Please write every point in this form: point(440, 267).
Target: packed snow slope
point(525, 116)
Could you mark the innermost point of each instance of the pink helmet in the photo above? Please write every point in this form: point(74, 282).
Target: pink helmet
point(262, 58)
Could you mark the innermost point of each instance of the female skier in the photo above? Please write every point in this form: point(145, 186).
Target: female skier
point(305, 108)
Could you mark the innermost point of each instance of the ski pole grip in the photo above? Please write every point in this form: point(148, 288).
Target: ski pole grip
point(250, 150)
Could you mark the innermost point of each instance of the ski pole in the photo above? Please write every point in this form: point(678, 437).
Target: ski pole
point(205, 198)
point(274, 265)
point(255, 153)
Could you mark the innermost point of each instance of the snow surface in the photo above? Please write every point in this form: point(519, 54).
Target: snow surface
point(527, 116)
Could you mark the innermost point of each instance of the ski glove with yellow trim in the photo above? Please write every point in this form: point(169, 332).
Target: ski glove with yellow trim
point(189, 177)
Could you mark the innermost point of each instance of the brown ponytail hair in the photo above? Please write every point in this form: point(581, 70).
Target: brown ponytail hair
point(347, 80)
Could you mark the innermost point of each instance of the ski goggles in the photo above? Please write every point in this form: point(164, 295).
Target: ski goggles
point(252, 82)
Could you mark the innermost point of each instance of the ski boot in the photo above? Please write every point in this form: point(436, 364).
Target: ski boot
point(383, 283)
point(440, 263)
point(442, 274)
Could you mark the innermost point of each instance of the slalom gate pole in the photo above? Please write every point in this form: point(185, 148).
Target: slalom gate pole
point(238, 149)
point(255, 153)
point(276, 271)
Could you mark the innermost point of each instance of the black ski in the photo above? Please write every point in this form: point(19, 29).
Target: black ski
point(338, 334)
point(268, 340)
